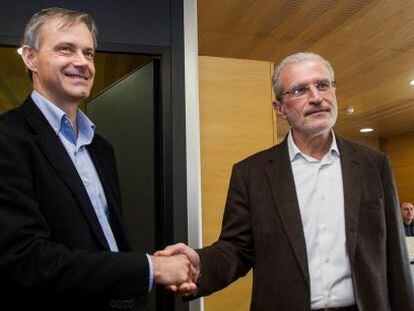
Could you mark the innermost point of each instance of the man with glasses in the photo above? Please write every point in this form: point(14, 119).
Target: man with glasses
point(316, 216)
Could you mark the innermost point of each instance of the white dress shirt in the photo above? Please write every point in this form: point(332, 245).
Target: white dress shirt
point(76, 149)
point(320, 195)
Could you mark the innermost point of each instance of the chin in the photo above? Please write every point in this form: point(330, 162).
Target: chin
point(76, 97)
point(316, 130)
point(323, 126)
point(79, 93)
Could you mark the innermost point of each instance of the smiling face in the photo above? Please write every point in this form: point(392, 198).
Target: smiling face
point(315, 113)
point(63, 68)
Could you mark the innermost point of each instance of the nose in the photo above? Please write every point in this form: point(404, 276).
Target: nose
point(314, 95)
point(79, 59)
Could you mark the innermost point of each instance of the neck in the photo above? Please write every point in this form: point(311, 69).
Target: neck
point(315, 146)
point(68, 106)
point(408, 222)
point(70, 112)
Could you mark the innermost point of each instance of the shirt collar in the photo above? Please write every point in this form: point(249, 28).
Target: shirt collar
point(294, 151)
point(54, 115)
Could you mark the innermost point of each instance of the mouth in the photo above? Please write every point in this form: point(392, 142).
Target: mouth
point(77, 76)
point(316, 111)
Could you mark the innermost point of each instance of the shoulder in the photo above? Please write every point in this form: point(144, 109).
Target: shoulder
point(10, 119)
point(363, 152)
point(17, 141)
point(13, 126)
point(102, 146)
point(346, 143)
point(101, 141)
point(262, 158)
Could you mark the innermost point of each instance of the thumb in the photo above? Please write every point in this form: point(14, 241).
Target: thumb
point(171, 250)
point(161, 253)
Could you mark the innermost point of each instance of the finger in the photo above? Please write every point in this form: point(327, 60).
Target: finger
point(187, 288)
point(169, 250)
point(172, 288)
point(193, 274)
point(165, 253)
point(159, 253)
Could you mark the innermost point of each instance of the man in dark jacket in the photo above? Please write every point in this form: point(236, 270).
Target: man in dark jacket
point(63, 244)
point(316, 217)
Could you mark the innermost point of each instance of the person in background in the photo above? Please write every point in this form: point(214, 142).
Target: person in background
point(63, 244)
point(316, 217)
point(407, 212)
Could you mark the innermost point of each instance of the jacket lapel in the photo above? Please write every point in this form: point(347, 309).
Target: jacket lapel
point(110, 186)
point(57, 156)
point(280, 176)
point(351, 179)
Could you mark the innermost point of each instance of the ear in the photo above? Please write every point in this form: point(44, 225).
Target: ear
point(279, 108)
point(29, 58)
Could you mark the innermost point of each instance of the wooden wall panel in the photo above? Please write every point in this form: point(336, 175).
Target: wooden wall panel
point(369, 43)
point(400, 149)
point(235, 121)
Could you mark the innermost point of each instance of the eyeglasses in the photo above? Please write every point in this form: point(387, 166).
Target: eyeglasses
point(304, 90)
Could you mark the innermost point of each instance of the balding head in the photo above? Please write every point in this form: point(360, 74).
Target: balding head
point(407, 211)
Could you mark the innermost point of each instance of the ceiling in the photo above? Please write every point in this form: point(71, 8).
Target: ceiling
point(370, 44)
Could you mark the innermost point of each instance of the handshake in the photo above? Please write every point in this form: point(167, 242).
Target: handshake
point(177, 267)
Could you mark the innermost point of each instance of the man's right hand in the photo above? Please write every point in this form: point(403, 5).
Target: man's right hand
point(193, 257)
point(173, 271)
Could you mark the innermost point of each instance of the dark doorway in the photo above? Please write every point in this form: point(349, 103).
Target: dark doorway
point(126, 115)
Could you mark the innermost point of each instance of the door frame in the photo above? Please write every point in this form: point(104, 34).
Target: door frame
point(172, 209)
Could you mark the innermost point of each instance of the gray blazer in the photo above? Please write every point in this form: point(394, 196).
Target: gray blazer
point(262, 230)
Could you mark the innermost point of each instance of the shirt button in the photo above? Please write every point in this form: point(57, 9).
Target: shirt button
point(326, 259)
point(324, 196)
point(85, 180)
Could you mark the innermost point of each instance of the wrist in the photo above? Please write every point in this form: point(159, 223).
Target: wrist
point(155, 267)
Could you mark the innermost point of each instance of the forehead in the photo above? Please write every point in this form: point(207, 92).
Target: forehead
point(407, 205)
point(56, 29)
point(302, 73)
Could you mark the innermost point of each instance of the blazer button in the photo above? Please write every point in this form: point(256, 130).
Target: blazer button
point(122, 304)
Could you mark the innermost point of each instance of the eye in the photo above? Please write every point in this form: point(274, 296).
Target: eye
point(89, 54)
point(299, 90)
point(64, 49)
point(323, 85)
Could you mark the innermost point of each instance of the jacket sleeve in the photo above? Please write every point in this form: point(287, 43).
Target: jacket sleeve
point(400, 287)
point(232, 255)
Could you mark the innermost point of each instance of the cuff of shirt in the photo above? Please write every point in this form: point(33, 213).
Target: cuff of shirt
point(151, 274)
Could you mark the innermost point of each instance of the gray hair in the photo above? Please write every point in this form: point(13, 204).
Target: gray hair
point(32, 34)
point(297, 58)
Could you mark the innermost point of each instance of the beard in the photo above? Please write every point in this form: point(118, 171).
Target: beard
point(314, 127)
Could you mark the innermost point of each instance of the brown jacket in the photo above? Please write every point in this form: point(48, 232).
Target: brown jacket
point(262, 230)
